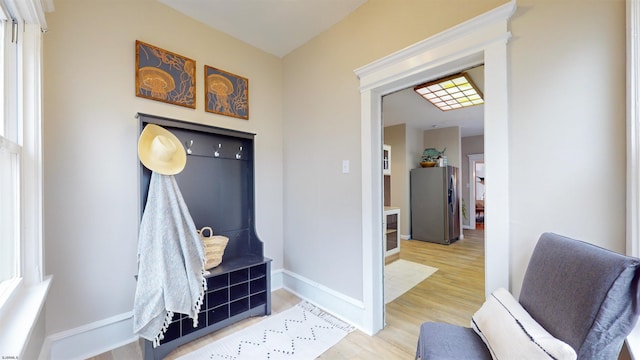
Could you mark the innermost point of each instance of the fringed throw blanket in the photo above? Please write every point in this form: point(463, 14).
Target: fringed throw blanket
point(170, 262)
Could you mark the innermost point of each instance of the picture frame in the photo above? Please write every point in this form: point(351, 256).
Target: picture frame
point(165, 76)
point(226, 93)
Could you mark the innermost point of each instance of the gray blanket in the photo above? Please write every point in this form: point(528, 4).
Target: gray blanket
point(170, 262)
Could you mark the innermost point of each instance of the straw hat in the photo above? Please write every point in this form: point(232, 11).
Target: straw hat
point(161, 151)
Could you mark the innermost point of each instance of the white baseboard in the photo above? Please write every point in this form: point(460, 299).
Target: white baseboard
point(90, 339)
point(105, 335)
point(405, 237)
point(344, 307)
point(276, 279)
point(45, 350)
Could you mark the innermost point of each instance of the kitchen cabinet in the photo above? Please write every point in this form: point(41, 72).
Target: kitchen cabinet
point(386, 160)
point(391, 232)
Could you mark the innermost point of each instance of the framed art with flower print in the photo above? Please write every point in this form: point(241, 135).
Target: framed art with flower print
point(165, 76)
point(226, 93)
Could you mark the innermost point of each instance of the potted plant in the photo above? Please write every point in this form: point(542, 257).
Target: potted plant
point(430, 157)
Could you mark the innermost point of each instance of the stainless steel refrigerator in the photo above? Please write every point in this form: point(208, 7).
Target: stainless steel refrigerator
point(435, 210)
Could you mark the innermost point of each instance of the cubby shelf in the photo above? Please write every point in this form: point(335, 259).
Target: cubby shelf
point(228, 295)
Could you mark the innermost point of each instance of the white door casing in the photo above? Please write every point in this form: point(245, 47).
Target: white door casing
point(481, 40)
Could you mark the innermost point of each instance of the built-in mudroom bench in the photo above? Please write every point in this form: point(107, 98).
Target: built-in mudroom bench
point(217, 185)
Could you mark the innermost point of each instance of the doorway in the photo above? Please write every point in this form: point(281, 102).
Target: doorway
point(409, 125)
point(478, 170)
point(477, 191)
point(479, 40)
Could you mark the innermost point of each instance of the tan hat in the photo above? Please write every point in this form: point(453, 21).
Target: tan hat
point(161, 151)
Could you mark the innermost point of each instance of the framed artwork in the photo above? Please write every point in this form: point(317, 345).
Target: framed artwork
point(226, 93)
point(165, 76)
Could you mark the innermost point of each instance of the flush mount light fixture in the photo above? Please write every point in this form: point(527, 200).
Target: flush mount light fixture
point(453, 92)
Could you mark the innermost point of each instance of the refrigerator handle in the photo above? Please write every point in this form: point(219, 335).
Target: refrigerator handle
point(451, 194)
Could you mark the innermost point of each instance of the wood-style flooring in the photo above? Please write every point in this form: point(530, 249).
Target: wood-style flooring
point(452, 294)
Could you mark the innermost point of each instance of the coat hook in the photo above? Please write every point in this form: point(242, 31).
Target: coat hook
point(189, 145)
point(239, 153)
point(217, 152)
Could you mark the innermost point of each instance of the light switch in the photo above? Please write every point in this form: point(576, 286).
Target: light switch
point(345, 166)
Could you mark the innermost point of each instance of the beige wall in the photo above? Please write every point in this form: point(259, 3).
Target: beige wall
point(322, 126)
point(564, 52)
point(447, 139)
point(561, 54)
point(394, 136)
point(90, 137)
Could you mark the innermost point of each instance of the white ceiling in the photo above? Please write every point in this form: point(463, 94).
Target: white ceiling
point(280, 26)
point(406, 106)
point(275, 26)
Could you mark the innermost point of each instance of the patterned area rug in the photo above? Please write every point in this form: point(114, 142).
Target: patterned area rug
point(301, 332)
point(401, 275)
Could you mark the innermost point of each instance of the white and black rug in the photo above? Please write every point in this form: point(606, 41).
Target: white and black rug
point(301, 332)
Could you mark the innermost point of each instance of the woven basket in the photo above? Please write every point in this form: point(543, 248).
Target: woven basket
point(214, 246)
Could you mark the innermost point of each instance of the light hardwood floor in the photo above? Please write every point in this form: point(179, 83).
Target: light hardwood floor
point(452, 294)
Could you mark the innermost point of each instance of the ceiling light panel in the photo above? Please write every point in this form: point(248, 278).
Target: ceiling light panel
point(453, 92)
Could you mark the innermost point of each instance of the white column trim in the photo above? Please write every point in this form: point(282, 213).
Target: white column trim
point(633, 128)
point(633, 148)
point(31, 109)
point(480, 40)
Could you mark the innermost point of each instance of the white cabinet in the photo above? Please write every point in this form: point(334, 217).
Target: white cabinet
point(386, 159)
point(392, 230)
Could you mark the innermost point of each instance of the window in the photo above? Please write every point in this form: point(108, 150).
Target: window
point(9, 209)
point(10, 158)
point(21, 24)
point(23, 289)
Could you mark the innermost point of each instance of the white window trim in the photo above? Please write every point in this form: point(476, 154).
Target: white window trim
point(20, 313)
point(633, 148)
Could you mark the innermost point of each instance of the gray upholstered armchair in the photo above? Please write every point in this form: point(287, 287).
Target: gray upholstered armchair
point(584, 296)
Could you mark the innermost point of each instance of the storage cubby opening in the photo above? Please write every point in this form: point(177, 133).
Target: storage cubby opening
point(239, 276)
point(257, 286)
point(258, 271)
point(217, 282)
point(258, 300)
point(218, 314)
point(239, 291)
point(187, 324)
point(173, 332)
point(217, 298)
point(239, 306)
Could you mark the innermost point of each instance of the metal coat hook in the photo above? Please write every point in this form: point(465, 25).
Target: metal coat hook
point(189, 145)
point(239, 153)
point(217, 152)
